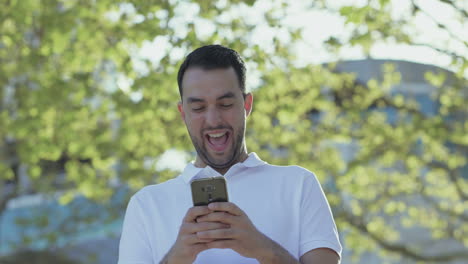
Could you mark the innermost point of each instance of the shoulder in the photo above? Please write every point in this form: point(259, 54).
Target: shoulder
point(159, 190)
point(291, 175)
point(288, 171)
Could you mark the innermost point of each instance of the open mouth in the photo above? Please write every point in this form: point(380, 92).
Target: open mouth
point(218, 141)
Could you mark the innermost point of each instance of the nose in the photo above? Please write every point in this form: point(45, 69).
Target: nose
point(213, 117)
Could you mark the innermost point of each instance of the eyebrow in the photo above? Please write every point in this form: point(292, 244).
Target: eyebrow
point(226, 95)
point(199, 100)
point(194, 100)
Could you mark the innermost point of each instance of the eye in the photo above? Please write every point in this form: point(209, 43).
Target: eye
point(198, 109)
point(226, 105)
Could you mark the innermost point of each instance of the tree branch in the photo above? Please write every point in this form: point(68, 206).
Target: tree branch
point(4, 200)
point(428, 198)
point(453, 178)
point(459, 9)
point(439, 209)
point(399, 248)
point(9, 152)
point(450, 53)
point(439, 25)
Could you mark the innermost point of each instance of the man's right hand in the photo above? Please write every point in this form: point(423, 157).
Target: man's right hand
point(188, 245)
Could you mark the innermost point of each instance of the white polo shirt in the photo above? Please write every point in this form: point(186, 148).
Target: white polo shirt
point(286, 203)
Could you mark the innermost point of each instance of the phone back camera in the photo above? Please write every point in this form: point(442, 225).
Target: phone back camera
point(208, 188)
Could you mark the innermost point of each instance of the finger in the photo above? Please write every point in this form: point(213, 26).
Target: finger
point(191, 228)
point(193, 239)
point(204, 240)
point(195, 212)
point(226, 207)
point(226, 233)
point(199, 247)
point(225, 218)
point(222, 243)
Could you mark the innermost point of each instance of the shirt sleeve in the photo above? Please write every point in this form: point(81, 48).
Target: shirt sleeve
point(134, 247)
point(317, 227)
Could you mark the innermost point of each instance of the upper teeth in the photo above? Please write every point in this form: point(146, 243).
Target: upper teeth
point(217, 134)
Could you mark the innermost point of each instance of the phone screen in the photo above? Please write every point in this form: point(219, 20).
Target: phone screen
point(208, 190)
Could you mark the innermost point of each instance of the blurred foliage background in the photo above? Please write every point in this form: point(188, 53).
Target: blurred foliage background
point(88, 99)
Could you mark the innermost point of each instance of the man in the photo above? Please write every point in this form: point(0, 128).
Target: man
point(276, 214)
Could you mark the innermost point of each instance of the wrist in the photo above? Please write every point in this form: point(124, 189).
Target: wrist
point(172, 258)
point(275, 254)
point(267, 257)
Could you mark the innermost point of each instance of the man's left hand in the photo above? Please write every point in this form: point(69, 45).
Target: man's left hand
point(241, 235)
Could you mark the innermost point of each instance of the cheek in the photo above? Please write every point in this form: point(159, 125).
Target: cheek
point(197, 121)
point(193, 122)
point(238, 119)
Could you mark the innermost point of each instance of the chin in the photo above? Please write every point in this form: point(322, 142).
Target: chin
point(226, 162)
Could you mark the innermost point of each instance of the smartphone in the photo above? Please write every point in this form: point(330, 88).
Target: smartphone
point(208, 190)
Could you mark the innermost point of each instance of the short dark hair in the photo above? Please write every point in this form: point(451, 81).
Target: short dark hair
point(213, 57)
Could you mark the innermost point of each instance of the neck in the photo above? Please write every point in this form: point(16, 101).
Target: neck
point(199, 163)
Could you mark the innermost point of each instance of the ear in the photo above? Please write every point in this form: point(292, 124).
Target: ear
point(180, 106)
point(248, 103)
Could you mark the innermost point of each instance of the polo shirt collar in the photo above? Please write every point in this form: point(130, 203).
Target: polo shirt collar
point(190, 171)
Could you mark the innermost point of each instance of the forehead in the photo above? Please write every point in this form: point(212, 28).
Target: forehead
point(201, 83)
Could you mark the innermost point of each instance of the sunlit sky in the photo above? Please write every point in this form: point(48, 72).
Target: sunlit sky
point(423, 27)
point(317, 26)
